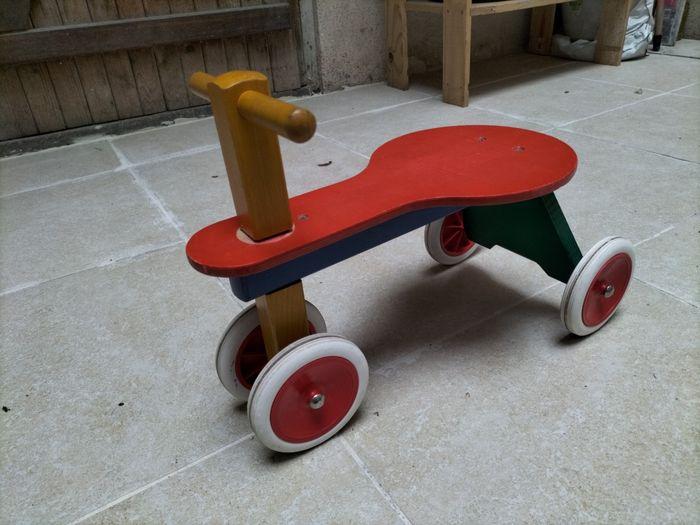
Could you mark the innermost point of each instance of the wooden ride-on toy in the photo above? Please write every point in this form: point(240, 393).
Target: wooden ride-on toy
point(468, 185)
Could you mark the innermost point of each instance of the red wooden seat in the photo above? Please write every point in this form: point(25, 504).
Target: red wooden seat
point(450, 166)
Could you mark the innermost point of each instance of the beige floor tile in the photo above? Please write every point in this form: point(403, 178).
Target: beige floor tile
point(247, 484)
point(650, 72)
point(141, 333)
point(668, 124)
point(35, 170)
point(624, 191)
point(690, 91)
point(671, 261)
point(513, 421)
point(167, 140)
point(553, 97)
point(56, 231)
point(366, 133)
point(347, 102)
point(685, 47)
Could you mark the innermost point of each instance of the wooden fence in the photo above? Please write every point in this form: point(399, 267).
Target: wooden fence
point(86, 62)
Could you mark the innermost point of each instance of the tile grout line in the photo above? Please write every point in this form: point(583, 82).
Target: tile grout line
point(666, 230)
point(657, 95)
point(168, 216)
point(341, 144)
point(161, 479)
point(377, 110)
point(103, 264)
point(368, 474)
point(623, 145)
point(63, 182)
point(666, 292)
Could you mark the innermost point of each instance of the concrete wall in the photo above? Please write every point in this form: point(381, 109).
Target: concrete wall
point(691, 29)
point(351, 40)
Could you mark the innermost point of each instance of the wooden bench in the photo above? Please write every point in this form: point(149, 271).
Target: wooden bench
point(456, 39)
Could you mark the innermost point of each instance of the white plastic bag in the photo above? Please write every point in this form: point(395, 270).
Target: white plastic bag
point(581, 23)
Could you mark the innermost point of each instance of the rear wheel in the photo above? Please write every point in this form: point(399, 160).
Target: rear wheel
point(447, 241)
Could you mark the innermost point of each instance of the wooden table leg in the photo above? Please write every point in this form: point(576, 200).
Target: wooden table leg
point(611, 32)
point(456, 47)
point(397, 44)
point(541, 29)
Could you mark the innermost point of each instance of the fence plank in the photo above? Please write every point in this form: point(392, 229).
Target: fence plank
point(118, 66)
point(214, 53)
point(168, 60)
point(283, 59)
point(63, 73)
point(258, 53)
point(191, 53)
point(91, 68)
point(236, 48)
point(143, 64)
point(37, 86)
point(17, 120)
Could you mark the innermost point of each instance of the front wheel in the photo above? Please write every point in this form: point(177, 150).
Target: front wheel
point(597, 285)
point(307, 392)
point(447, 241)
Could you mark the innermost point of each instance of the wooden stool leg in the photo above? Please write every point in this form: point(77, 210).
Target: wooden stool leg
point(397, 44)
point(456, 47)
point(611, 32)
point(541, 29)
point(282, 317)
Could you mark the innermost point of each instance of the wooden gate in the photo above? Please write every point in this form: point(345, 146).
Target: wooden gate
point(84, 62)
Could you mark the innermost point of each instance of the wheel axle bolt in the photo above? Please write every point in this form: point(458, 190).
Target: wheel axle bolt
point(608, 291)
point(317, 401)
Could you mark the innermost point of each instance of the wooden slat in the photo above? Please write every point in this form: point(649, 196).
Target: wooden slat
point(91, 69)
point(118, 66)
point(486, 8)
point(611, 32)
point(89, 38)
point(63, 73)
point(493, 8)
point(16, 118)
point(38, 88)
point(168, 60)
point(283, 59)
point(541, 28)
point(397, 44)
point(143, 64)
point(258, 52)
point(425, 7)
point(191, 56)
point(213, 50)
point(456, 47)
point(236, 48)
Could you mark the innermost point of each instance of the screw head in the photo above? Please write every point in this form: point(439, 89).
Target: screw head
point(317, 400)
point(608, 290)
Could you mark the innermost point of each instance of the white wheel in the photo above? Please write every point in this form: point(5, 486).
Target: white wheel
point(597, 285)
point(241, 353)
point(307, 392)
point(447, 241)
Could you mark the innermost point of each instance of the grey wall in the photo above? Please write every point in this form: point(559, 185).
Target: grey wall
point(691, 29)
point(351, 40)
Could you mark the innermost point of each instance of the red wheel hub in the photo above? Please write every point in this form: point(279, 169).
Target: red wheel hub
point(453, 238)
point(251, 357)
point(607, 289)
point(296, 416)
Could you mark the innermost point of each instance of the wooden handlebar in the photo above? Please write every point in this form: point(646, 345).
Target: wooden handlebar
point(290, 121)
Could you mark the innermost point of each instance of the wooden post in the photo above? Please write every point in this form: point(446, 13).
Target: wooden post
point(397, 44)
point(456, 47)
point(248, 121)
point(541, 28)
point(611, 32)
